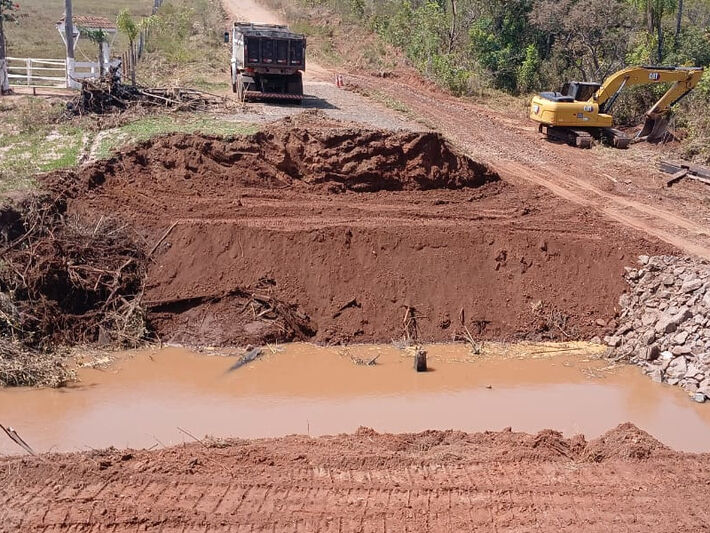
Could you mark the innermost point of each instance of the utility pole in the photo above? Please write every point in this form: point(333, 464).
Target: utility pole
point(4, 80)
point(69, 39)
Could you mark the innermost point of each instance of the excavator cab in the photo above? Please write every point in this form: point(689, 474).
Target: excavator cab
point(580, 91)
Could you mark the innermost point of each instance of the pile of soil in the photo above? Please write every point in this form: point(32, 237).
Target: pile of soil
point(352, 235)
point(430, 481)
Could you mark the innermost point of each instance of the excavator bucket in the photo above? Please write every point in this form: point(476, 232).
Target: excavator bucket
point(654, 129)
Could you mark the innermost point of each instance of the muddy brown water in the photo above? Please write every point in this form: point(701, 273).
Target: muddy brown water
point(146, 398)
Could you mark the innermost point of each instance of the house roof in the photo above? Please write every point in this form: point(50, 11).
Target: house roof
point(92, 23)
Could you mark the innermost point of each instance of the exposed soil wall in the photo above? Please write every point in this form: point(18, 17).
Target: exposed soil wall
point(322, 231)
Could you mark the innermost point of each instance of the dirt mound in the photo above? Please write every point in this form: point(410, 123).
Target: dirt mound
point(314, 158)
point(431, 481)
point(437, 238)
point(626, 441)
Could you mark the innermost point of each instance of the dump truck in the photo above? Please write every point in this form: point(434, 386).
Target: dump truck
point(581, 111)
point(267, 62)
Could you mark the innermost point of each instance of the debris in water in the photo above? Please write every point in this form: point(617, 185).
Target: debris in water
point(248, 357)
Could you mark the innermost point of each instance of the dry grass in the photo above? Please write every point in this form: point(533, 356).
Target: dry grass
point(22, 367)
point(36, 35)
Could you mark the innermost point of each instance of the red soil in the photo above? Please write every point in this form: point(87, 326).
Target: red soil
point(338, 231)
point(432, 481)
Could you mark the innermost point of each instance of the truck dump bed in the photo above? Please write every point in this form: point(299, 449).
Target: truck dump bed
point(267, 61)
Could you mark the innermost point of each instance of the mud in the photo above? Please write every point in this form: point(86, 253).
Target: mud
point(430, 481)
point(318, 230)
point(141, 401)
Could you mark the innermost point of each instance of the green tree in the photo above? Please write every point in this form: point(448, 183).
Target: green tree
point(653, 12)
point(99, 38)
point(131, 30)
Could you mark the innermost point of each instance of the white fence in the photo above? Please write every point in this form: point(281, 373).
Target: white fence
point(29, 72)
point(37, 72)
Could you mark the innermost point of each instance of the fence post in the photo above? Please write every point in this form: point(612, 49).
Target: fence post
point(28, 63)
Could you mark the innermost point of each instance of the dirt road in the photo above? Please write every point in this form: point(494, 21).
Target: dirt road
point(623, 185)
point(428, 482)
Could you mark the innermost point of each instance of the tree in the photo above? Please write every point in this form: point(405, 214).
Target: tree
point(7, 14)
point(678, 22)
point(582, 43)
point(130, 29)
point(98, 37)
point(653, 12)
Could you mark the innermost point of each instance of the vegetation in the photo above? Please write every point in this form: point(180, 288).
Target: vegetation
point(33, 139)
point(186, 47)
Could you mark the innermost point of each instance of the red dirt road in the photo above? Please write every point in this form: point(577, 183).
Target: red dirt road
point(428, 482)
point(623, 185)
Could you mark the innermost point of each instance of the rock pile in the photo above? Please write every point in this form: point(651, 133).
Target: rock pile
point(664, 322)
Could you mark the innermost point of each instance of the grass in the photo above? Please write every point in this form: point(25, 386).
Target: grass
point(36, 35)
point(145, 128)
point(33, 141)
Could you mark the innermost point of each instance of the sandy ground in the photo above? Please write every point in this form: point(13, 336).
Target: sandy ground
point(428, 482)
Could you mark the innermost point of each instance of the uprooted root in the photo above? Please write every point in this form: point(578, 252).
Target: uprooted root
point(71, 281)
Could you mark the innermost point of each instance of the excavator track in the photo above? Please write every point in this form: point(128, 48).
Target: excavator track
point(615, 138)
point(571, 136)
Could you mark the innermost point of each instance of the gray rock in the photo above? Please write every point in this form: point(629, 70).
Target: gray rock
point(612, 341)
point(691, 285)
point(643, 259)
point(595, 340)
point(669, 321)
point(666, 356)
point(648, 318)
point(677, 369)
point(689, 386)
point(699, 397)
point(681, 337)
point(681, 350)
point(656, 374)
point(669, 281)
point(647, 338)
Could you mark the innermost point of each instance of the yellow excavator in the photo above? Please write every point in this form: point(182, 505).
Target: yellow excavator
point(581, 111)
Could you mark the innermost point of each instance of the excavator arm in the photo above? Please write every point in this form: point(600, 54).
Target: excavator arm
point(683, 79)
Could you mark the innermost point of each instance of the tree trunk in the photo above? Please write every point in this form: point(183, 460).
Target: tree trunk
point(133, 63)
point(660, 42)
point(452, 32)
point(101, 60)
point(678, 22)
